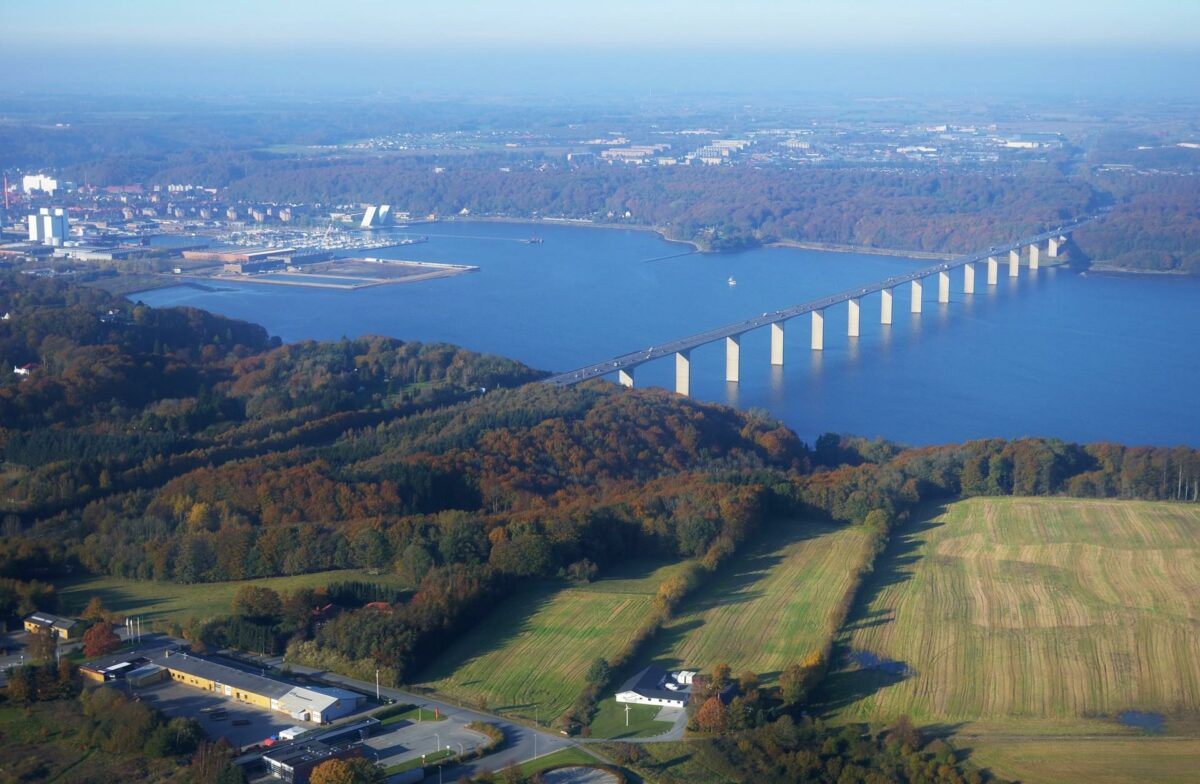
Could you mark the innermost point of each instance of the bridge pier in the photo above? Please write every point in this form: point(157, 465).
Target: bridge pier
point(733, 357)
point(943, 287)
point(968, 278)
point(885, 307)
point(1014, 263)
point(818, 330)
point(777, 343)
point(853, 314)
point(1034, 252)
point(915, 306)
point(683, 372)
point(625, 377)
point(993, 270)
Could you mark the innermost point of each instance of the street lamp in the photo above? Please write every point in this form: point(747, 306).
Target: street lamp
point(439, 741)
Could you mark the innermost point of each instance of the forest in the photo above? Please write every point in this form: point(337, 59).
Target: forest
point(172, 444)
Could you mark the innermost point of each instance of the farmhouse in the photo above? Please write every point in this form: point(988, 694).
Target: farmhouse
point(316, 704)
point(62, 628)
point(655, 686)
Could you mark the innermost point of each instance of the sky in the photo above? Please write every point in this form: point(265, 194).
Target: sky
point(607, 24)
point(867, 45)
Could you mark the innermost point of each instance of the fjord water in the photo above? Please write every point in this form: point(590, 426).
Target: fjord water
point(1055, 353)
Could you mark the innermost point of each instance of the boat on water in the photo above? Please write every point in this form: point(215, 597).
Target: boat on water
point(533, 241)
point(732, 282)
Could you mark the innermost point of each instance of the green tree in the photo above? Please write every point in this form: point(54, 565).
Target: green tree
point(257, 603)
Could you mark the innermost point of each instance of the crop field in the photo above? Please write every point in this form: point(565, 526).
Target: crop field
point(1090, 760)
point(530, 656)
point(771, 606)
point(1043, 614)
point(153, 600)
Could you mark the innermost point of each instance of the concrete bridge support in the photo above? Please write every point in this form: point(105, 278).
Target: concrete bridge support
point(916, 296)
point(777, 343)
point(852, 322)
point(943, 287)
point(1014, 263)
point(818, 330)
point(993, 270)
point(885, 307)
point(733, 357)
point(968, 279)
point(683, 372)
point(625, 376)
point(1052, 248)
point(1034, 256)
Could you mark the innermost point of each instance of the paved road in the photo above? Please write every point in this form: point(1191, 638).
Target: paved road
point(522, 743)
point(633, 359)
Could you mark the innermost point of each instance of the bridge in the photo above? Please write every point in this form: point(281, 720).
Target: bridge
point(625, 364)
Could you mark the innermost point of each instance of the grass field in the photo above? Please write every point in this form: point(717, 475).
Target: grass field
point(1094, 761)
point(530, 656)
point(771, 605)
point(162, 601)
point(1014, 609)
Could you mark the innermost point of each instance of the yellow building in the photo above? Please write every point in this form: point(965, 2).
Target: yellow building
point(62, 628)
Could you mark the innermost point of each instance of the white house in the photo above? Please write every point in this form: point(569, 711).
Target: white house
point(655, 686)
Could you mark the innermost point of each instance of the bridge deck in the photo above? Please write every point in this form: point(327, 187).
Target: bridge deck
point(633, 359)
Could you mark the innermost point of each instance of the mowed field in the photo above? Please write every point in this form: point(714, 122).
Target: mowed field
point(771, 606)
point(154, 600)
point(1032, 615)
point(530, 656)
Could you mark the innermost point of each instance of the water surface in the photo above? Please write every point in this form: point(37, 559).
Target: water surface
point(1054, 353)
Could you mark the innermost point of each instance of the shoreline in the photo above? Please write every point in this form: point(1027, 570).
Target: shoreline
point(578, 222)
point(1100, 268)
point(864, 249)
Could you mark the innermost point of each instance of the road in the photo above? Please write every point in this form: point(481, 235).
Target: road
point(633, 359)
point(523, 743)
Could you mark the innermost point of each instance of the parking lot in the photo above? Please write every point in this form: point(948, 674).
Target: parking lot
point(242, 725)
point(408, 740)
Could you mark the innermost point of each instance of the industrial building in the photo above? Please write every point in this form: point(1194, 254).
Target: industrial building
point(49, 226)
point(38, 183)
point(62, 628)
point(315, 704)
point(294, 764)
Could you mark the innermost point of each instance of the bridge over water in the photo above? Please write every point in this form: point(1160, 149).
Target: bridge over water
point(1028, 248)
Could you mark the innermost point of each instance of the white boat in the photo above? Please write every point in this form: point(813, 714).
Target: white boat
point(732, 282)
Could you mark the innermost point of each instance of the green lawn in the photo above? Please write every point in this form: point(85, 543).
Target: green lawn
point(529, 657)
point(417, 762)
point(569, 756)
point(609, 721)
point(154, 601)
point(417, 714)
point(771, 605)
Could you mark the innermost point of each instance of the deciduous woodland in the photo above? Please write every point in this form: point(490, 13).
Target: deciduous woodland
point(172, 444)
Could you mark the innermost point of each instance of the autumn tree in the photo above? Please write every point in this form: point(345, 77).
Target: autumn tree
point(94, 611)
point(42, 646)
point(355, 770)
point(712, 716)
point(100, 640)
point(791, 684)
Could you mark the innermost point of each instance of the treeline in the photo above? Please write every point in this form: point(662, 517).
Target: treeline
point(1154, 224)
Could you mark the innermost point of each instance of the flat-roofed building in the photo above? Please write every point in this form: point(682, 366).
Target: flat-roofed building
point(60, 627)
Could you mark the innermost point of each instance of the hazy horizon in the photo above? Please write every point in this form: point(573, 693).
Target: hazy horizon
point(531, 47)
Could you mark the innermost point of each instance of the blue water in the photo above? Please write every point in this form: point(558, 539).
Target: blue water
point(1055, 353)
point(1143, 720)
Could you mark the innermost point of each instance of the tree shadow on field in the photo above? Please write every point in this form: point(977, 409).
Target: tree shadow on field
point(667, 639)
point(851, 682)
